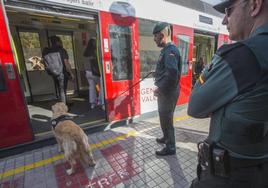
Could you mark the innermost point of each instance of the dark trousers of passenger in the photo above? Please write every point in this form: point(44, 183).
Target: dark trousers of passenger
point(242, 177)
point(166, 106)
point(61, 82)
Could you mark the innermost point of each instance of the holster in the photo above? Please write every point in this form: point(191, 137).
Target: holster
point(214, 159)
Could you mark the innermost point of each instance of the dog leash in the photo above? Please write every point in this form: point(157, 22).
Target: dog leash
point(131, 87)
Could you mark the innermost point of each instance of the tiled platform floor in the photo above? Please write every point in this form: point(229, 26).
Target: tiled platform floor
point(125, 157)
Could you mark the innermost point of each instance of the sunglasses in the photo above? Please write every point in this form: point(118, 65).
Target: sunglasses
point(228, 11)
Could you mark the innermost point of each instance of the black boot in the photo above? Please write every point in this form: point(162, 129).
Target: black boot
point(165, 151)
point(161, 140)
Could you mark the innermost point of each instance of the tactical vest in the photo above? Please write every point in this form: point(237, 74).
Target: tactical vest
point(241, 127)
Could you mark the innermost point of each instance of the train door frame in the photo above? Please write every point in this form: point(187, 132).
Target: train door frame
point(92, 15)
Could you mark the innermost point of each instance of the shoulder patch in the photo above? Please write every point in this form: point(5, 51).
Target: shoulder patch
point(224, 49)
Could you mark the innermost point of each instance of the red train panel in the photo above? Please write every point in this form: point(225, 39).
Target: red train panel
point(14, 121)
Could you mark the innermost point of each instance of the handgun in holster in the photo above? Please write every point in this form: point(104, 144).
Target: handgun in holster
point(216, 160)
point(205, 156)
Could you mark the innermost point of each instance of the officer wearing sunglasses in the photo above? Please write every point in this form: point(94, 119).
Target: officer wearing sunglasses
point(233, 92)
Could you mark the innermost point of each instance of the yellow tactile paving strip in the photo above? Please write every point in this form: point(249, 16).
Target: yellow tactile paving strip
point(181, 118)
point(60, 156)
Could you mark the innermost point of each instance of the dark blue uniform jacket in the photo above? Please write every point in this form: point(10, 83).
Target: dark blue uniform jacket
point(168, 69)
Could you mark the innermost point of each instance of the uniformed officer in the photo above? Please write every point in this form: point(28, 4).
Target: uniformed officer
point(233, 91)
point(167, 76)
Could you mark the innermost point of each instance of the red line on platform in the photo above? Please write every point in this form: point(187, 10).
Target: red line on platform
point(15, 183)
point(123, 165)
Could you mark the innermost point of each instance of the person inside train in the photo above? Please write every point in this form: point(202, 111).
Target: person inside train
point(199, 65)
point(93, 74)
point(63, 74)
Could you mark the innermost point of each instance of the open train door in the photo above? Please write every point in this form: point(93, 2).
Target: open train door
point(121, 65)
point(14, 121)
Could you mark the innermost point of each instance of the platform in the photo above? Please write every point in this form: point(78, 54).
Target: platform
point(125, 157)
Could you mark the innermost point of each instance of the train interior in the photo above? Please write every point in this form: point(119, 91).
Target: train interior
point(30, 33)
point(203, 50)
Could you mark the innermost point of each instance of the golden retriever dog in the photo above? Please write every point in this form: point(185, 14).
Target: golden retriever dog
point(71, 138)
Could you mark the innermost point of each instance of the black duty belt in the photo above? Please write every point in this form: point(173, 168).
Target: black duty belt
point(218, 161)
point(238, 163)
point(54, 122)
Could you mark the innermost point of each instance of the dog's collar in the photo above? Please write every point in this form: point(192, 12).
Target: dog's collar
point(55, 121)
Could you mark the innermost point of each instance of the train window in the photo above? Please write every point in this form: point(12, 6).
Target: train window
point(31, 50)
point(120, 39)
point(183, 46)
point(2, 80)
point(149, 52)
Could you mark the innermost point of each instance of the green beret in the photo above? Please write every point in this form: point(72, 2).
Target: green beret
point(159, 27)
point(222, 5)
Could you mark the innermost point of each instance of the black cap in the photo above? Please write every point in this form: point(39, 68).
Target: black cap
point(224, 4)
point(159, 27)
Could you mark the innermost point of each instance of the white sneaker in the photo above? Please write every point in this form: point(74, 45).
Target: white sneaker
point(92, 106)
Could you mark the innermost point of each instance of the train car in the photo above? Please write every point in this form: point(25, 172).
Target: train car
point(126, 56)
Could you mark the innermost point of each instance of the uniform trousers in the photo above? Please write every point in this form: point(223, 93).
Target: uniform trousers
point(240, 177)
point(166, 106)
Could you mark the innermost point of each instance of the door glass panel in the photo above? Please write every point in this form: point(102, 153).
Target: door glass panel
point(31, 50)
point(120, 39)
point(183, 46)
point(36, 74)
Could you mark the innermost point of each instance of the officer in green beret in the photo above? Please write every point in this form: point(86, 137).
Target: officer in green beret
point(167, 77)
point(233, 92)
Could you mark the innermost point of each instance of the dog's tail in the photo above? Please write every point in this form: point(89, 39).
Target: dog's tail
point(69, 146)
point(86, 147)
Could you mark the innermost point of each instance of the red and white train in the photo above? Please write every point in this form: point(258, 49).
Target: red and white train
point(126, 53)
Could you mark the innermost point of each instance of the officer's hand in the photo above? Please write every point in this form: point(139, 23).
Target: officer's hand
point(156, 92)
